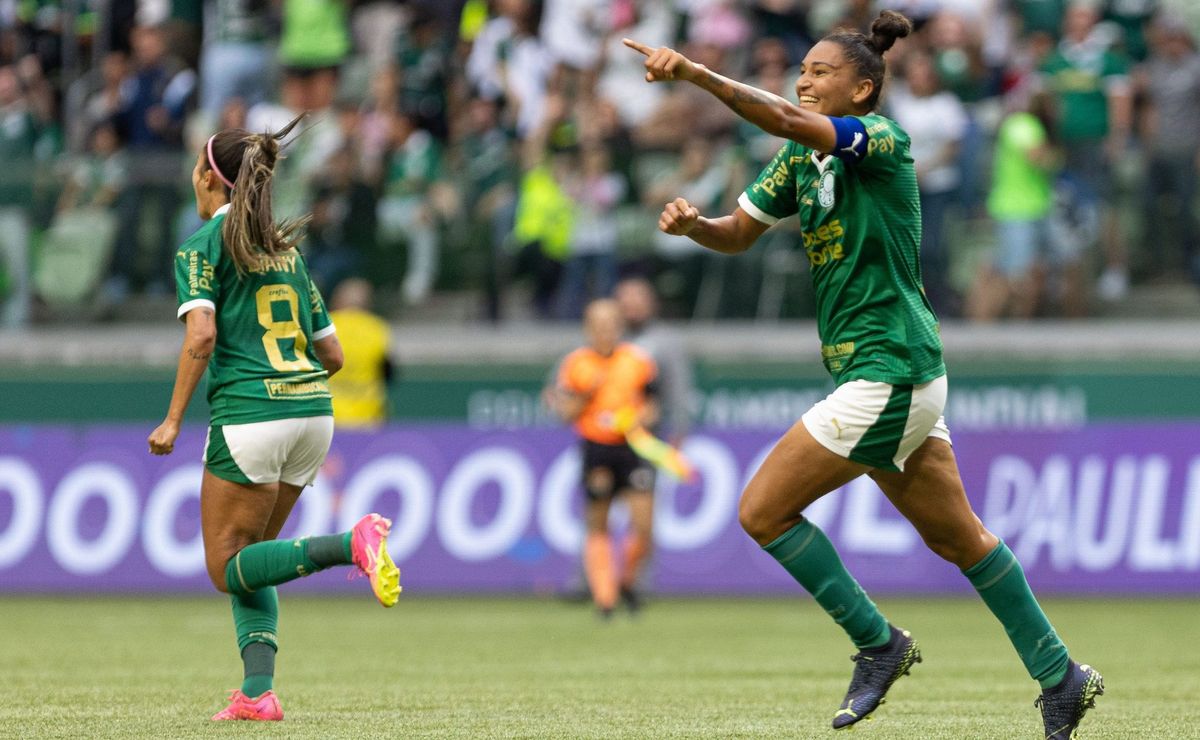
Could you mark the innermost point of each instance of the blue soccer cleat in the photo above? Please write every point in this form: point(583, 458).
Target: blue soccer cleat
point(874, 673)
point(1064, 705)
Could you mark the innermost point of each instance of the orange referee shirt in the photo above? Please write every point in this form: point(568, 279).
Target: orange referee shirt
point(613, 383)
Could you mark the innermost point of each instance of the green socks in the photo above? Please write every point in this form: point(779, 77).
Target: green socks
point(1001, 582)
point(273, 562)
point(251, 577)
point(807, 554)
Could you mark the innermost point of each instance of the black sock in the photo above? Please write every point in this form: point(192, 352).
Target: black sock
point(258, 660)
point(329, 550)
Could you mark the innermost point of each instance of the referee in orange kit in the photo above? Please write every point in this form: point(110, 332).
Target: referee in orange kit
point(603, 388)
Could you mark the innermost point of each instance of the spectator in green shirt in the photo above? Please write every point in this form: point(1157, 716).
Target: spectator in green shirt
point(407, 211)
point(1092, 93)
point(235, 56)
point(1011, 280)
point(315, 41)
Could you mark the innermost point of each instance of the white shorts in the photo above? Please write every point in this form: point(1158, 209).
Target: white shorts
point(287, 450)
point(879, 424)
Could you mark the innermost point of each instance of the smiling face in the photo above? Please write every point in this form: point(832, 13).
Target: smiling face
point(828, 84)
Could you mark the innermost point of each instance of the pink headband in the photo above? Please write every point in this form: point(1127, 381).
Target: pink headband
point(212, 162)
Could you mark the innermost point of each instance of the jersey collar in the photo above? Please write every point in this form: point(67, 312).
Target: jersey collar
point(821, 162)
point(221, 210)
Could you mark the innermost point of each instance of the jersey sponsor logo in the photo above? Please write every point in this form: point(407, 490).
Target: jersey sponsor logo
point(837, 355)
point(297, 388)
point(200, 273)
point(824, 233)
point(882, 145)
point(841, 349)
point(826, 254)
point(780, 175)
point(823, 244)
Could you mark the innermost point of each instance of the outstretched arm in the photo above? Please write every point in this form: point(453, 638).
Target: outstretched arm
point(773, 114)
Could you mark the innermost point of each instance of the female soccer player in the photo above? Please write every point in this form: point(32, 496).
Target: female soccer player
point(847, 175)
point(256, 322)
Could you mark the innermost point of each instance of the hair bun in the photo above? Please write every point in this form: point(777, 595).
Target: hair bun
point(888, 27)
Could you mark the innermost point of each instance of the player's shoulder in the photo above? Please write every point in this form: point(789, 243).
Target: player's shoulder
point(788, 152)
point(206, 240)
point(879, 126)
point(579, 357)
point(578, 366)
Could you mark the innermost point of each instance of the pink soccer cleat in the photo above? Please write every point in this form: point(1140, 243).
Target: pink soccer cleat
point(368, 548)
point(263, 709)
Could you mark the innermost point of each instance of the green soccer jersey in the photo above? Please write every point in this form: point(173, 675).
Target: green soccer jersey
point(1080, 77)
point(263, 366)
point(861, 226)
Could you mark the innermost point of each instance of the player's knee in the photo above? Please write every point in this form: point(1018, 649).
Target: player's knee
point(217, 563)
point(595, 521)
point(216, 574)
point(756, 520)
point(944, 548)
point(960, 548)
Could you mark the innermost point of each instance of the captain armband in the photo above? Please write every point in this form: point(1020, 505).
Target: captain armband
point(851, 142)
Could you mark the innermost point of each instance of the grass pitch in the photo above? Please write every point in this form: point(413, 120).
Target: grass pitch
point(473, 668)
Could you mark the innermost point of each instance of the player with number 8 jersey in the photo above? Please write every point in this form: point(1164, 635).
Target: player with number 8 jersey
point(264, 365)
point(257, 325)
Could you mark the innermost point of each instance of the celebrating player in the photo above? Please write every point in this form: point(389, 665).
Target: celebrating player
point(597, 385)
point(256, 322)
point(847, 175)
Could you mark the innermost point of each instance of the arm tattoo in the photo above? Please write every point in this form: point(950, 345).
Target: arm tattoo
point(737, 96)
point(203, 315)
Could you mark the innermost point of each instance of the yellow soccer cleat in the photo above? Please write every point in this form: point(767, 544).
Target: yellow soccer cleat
point(368, 549)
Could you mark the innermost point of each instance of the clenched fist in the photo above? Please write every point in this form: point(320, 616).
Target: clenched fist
point(162, 439)
point(678, 217)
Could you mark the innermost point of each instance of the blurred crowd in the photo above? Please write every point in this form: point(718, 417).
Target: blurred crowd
point(509, 152)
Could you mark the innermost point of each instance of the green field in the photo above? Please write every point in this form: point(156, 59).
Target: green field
point(471, 668)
